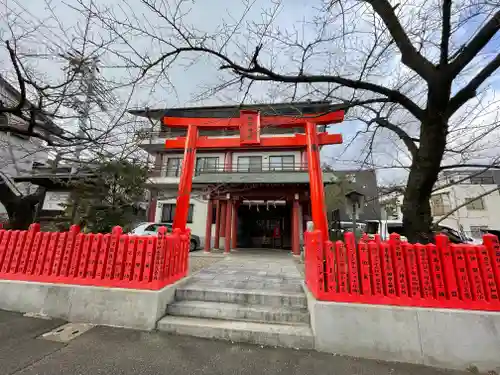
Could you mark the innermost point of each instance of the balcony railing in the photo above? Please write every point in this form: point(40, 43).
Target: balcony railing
point(149, 134)
point(235, 168)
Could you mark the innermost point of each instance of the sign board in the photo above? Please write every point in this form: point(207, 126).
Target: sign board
point(55, 200)
point(249, 128)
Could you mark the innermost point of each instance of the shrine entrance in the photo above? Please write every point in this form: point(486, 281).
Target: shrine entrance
point(228, 206)
point(265, 226)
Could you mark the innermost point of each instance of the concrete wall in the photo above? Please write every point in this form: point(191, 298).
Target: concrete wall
point(456, 339)
point(129, 308)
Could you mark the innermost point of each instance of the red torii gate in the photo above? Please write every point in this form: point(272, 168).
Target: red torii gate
point(250, 122)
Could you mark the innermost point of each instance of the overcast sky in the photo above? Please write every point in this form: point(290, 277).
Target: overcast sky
point(187, 80)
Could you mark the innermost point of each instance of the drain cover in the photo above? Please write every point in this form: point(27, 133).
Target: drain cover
point(66, 332)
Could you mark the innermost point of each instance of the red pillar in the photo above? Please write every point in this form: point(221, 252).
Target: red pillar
point(208, 228)
point(217, 224)
point(227, 238)
point(316, 181)
point(234, 230)
point(152, 209)
point(223, 217)
point(295, 228)
point(186, 179)
point(303, 160)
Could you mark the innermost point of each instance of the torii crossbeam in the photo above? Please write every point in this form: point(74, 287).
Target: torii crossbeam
point(250, 123)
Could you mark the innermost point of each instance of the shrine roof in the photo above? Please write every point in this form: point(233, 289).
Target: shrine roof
point(266, 109)
point(280, 178)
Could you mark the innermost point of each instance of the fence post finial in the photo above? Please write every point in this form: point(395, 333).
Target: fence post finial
point(310, 226)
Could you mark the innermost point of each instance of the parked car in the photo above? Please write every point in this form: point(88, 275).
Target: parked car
point(151, 229)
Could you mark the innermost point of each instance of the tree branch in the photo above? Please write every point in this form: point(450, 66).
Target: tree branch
point(470, 90)
point(445, 34)
point(260, 73)
point(409, 54)
point(477, 43)
point(257, 72)
point(404, 136)
point(19, 75)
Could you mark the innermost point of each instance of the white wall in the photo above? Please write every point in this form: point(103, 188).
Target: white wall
point(200, 206)
point(489, 217)
point(456, 195)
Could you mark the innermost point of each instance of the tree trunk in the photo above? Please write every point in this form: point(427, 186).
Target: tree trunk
point(19, 208)
point(417, 217)
point(20, 213)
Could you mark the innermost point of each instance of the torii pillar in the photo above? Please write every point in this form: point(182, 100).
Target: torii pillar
point(186, 180)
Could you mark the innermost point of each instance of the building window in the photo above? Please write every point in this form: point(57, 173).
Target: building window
point(174, 167)
point(168, 213)
point(351, 178)
point(482, 180)
point(207, 165)
point(475, 203)
point(249, 163)
point(282, 163)
point(477, 231)
point(438, 205)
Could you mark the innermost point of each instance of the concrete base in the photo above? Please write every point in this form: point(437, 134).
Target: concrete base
point(455, 339)
point(129, 308)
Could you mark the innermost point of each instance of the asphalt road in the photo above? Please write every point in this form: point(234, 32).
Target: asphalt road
point(113, 351)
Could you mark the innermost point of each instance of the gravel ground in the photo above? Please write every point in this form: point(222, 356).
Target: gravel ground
point(196, 263)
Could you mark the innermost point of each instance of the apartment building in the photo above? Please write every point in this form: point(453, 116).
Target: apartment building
point(473, 195)
point(266, 186)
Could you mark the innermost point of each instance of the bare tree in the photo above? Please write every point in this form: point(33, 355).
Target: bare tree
point(59, 102)
point(413, 69)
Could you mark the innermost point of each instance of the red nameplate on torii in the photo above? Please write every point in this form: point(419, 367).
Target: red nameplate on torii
point(249, 128)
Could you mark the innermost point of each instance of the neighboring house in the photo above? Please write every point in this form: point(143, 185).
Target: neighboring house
point(262, 183)
point(457, 189)
point(55, 183)
point(363, 182)
point(18, 153)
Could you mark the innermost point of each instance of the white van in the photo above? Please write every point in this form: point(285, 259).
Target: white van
point(385, 227)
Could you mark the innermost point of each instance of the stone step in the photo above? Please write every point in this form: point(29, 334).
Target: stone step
point(292, 286)
point(242, 296)
point(232, 311)
point(298, 336)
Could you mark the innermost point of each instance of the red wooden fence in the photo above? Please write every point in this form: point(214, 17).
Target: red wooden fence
point(443, 275)
point(109, 260)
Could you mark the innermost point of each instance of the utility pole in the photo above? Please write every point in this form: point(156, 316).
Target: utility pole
point(87, 81)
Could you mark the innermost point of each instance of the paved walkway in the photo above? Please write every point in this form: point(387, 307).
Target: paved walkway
point(113, 351)
point(273, 271)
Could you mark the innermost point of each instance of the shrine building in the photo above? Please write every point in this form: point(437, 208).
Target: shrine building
point(250, 186)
